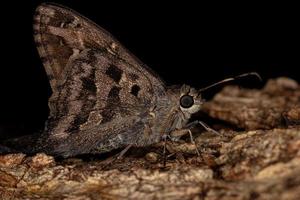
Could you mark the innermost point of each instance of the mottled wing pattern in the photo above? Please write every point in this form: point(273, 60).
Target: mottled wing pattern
point(95, 81)
point(61, 33)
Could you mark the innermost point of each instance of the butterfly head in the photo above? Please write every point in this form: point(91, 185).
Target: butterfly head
point(189, 101)
point(175, 111)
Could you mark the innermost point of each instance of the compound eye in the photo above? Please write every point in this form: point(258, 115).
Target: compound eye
point(186, 101)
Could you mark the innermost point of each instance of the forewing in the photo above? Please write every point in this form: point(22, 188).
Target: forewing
point(98, 89)
point(61, 33)
point(95, 81)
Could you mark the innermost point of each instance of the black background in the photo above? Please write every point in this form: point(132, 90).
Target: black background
point(191, 43)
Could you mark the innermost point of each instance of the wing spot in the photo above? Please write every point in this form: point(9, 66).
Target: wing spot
point(77, 26)
point(135, 90)
point(114, 93)
point(89, 84)
point(114, 73)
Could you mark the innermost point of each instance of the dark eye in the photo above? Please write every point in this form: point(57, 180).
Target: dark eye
point(186, 101)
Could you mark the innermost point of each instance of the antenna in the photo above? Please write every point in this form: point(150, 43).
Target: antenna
point(231, 79)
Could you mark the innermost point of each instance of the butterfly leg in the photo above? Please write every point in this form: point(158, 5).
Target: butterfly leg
point(175, 135)
point(113, 159)
point(178, 133)
point(194, 143)
point(122, 153)
point(164, 150)
point(204, 125)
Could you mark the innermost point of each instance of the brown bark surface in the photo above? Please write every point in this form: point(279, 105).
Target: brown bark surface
point(259, 161)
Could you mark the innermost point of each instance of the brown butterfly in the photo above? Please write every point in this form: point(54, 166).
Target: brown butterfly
point(103, 97)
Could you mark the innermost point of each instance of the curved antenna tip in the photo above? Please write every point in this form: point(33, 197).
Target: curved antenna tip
point(231, 79)
point(249, 74)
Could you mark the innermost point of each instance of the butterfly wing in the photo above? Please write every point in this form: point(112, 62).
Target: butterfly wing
point(96, 83)
point(61, 33)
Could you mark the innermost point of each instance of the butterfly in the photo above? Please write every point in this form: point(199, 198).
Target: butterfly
point(103, 98)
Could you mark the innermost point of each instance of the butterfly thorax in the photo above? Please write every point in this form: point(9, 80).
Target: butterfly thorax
point(169, 113)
